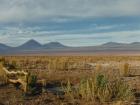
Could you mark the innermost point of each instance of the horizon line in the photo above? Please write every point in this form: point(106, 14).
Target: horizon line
point(70, 46)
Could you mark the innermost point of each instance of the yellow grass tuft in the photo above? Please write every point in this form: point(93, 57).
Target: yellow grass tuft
point(124, 70)
point(3, 76)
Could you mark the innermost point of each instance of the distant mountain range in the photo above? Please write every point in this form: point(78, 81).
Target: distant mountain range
point(34, 45)
point(55, 48)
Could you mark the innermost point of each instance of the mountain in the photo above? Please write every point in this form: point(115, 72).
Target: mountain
point(53, 45)
point(112, 44)
point(31, 44)
point(34, 45)
point(3, 46)
point(135, 44)
point(56, 48)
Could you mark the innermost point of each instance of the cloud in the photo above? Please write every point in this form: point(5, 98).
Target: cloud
point(15, 36)
point(72, 22)
point(58, 10)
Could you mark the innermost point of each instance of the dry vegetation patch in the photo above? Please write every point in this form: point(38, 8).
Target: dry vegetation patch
point(84, 80)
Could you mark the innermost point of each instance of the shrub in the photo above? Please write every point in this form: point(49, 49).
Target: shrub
point(101, 81)
point(102, 89)
point(121, 91)
point(32, 81)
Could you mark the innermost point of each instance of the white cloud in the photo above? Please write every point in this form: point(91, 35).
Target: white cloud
point(15, 36)
point(35, 10)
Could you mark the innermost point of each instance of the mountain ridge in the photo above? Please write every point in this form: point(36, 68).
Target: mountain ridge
point(32, 46)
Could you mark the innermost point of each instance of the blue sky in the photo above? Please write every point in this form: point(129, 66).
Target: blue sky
point(71, 22)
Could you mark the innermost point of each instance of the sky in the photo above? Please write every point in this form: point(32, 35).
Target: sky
point(70, 22)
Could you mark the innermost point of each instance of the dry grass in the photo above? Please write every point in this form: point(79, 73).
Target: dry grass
point(93, 80)
point(99, 88)
point(3, 76)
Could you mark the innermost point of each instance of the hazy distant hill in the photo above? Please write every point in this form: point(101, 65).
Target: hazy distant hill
point(34, 47)
point(113, 44)
point(3, 47)
point(31, 44)
point(53, 45)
